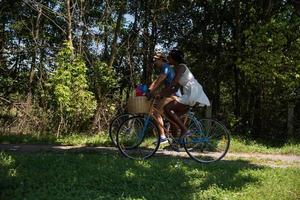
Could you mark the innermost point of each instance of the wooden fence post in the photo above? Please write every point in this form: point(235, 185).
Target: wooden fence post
point(208, 112)
point(290, 121)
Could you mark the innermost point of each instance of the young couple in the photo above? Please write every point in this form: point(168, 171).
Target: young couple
point(173, 103)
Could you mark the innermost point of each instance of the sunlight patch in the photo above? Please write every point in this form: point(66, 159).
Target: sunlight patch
point(12, 172)
point(129, 173)
point(6, 159)
point(145, 164)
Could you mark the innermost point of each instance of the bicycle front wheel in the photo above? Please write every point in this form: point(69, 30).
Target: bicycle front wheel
point(115, 124)
point(138, 137)
point(208, 142)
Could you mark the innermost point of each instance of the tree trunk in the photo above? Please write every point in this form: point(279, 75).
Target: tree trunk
point(297, 119)
point(290, 120)
point(61, 122)
point(132, 45)
point(152, 45)
point(257, 120)
point(105, 52)
point(35, 35)
point(81, 26)
point(149, 39)
point(236, 71)
point(2, 42)
point(116, 34)
point(42, 75)
point(208, 111)
point(69, 22)
point(237, 103)
point(145, 39)
point(216, 100)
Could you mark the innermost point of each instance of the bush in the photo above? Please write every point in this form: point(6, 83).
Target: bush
point(72, 103)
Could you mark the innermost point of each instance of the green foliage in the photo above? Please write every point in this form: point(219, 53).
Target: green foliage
point(71, 97)
point(270, 67)
point(105, 78)
point(272, 53)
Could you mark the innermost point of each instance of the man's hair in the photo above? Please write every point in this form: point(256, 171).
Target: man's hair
point(160, 55)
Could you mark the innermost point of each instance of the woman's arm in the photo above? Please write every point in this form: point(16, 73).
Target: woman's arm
point(181, 69)
point(174, 86)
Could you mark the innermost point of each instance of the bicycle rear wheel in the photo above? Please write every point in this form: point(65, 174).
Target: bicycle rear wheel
point(115, 124)
point(138, 137)
point(208, 142)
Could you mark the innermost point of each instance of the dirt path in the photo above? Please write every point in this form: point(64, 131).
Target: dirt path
point(272, 160)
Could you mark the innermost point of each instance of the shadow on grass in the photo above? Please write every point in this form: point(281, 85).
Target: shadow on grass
point(26, 139)
point(107, 176)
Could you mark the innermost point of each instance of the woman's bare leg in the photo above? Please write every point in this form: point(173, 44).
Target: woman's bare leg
point(174, 107)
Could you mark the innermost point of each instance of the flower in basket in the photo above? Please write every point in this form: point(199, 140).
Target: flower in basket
point(141, 90)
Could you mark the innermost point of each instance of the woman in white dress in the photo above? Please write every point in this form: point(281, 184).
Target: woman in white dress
point(192, 91)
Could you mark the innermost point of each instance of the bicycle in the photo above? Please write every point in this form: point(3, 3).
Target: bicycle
point(138, 137)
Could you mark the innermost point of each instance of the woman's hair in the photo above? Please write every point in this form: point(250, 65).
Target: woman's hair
point(177, 55)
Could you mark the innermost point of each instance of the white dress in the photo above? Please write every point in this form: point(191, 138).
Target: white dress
point(192, 90)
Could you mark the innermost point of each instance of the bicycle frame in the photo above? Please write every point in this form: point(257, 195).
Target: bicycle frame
point(151, 115)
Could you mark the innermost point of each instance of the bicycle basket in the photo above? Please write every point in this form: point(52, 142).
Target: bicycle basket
point(138, 104)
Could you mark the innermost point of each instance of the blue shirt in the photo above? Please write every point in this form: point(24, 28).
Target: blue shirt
point(169, 72)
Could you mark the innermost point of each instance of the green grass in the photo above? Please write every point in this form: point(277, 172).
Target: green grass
point(110, 176)
point(251, 146)
point(237, 144)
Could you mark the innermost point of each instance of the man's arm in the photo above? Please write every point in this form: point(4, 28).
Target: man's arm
point(153, 87)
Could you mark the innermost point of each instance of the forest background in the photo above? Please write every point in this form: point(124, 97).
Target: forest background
point(69, 66)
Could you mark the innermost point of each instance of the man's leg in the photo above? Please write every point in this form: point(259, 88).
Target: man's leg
point(160, 124)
